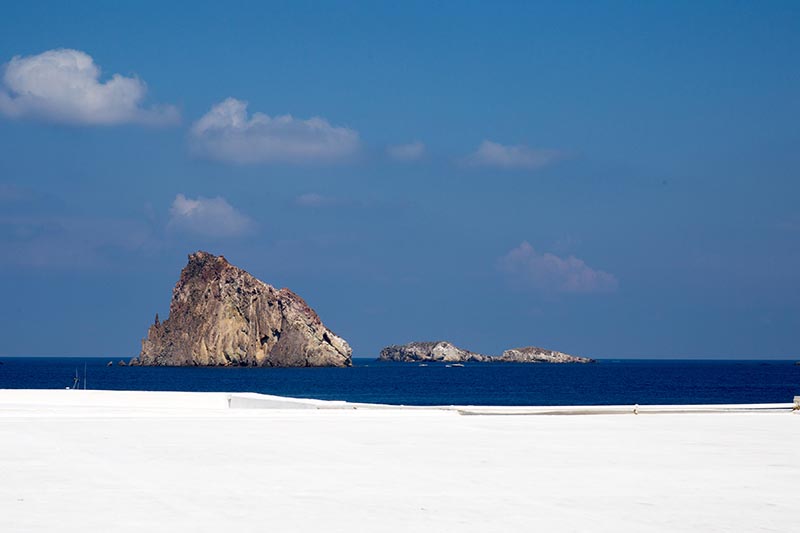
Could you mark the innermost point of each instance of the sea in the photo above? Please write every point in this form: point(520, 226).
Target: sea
point(607, 382)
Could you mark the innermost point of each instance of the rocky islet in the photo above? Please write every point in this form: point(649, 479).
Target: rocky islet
point(221, 315)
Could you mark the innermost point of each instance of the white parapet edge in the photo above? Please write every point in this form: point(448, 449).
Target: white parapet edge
point(220, 401)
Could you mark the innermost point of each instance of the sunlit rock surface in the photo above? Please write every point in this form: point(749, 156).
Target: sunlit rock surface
point(222, 316)
point(441, 351)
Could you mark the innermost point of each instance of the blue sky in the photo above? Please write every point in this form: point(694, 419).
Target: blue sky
point(607, 179)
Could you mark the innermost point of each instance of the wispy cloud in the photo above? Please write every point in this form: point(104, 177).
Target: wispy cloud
point(226, 133)
point(11, 193)
point(64, 86)
point(209, 217)
point(56, 240)
point(313, 199)
point(412, 151)
point(549, 272)
point(65, 242)
point(492, 154)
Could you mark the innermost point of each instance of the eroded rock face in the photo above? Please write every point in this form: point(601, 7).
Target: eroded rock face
point(222, 316)
point(441, 351)
point(534, 354)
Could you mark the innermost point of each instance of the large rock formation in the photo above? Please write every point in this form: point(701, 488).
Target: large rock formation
point(222, 316)
point(441, 351)
point(445, 352)
point(533, 354)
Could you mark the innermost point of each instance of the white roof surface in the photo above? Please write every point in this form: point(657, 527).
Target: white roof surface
point(149, 461)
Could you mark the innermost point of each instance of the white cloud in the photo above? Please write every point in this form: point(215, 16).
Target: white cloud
point(64, 86)
point(492, 154)
point(227, 134)
point(548, 272)
point(211, 217)
point(406, 152)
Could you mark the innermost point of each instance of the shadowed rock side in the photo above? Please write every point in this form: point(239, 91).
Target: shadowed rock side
point(533, 354)
point(222, 316)
point(446, 352)
point(441, 351)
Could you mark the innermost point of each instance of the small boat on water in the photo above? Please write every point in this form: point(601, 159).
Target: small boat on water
point(76, 381)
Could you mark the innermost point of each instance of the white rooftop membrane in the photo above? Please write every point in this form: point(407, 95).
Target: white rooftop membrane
point(173, 461)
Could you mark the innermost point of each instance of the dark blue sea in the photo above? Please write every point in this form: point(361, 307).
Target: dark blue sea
point(604, 383)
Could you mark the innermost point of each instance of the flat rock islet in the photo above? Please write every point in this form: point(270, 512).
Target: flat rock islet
point(222, 316)
point(534, 354)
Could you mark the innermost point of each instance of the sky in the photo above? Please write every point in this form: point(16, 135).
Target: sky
point(607, 179)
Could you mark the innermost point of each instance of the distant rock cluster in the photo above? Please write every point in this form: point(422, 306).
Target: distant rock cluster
point(446, 352)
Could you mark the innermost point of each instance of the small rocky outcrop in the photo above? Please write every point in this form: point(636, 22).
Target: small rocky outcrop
point(534, 354)
point(440, 351)
point(222, 316)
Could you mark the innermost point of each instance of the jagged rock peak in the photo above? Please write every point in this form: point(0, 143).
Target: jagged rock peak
point(441, 351)
point(222, 316)
point(534, 354)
